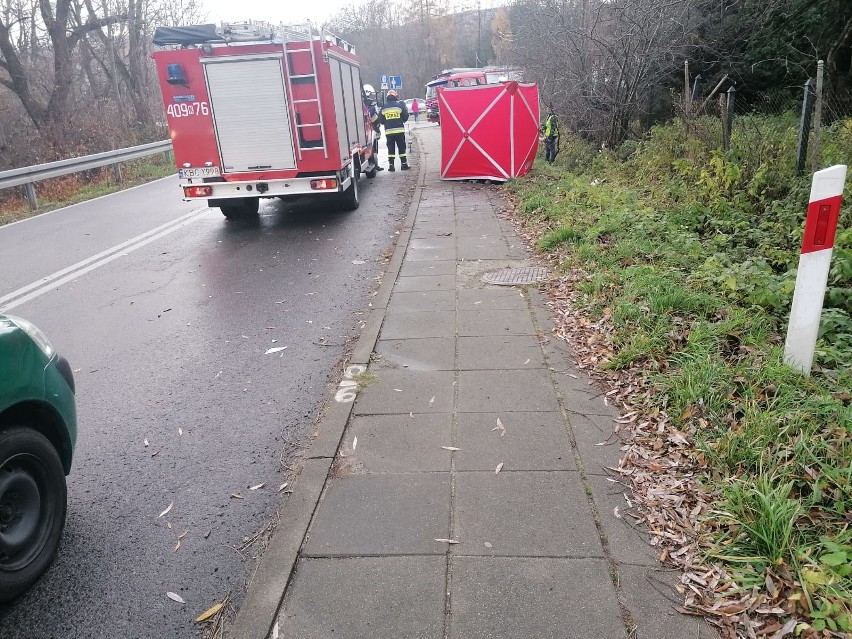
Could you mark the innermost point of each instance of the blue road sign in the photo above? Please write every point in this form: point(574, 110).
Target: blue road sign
point(395, 81)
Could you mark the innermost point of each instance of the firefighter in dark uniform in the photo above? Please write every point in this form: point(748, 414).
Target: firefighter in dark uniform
point(368, 95)
point(393, 115)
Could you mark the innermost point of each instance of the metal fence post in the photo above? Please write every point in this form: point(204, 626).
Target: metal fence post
point(29, 191)
point(816, 156)
point(805, 127)
point(687, 103)
point(728, 117)
point(116, 170)
point(696, 87)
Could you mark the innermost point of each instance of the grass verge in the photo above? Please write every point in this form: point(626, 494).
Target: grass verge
point(684, 257)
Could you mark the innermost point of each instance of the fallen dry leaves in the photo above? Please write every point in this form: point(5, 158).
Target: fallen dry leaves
point(213, 619)
point(207, 614)
point(500, 427)
point(663, 470)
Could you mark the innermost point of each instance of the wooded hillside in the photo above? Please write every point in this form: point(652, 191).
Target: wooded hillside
point(612, 68)
point(75, 76)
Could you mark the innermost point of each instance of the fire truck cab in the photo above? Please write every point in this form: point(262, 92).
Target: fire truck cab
point(260, 111)
point(432, 96)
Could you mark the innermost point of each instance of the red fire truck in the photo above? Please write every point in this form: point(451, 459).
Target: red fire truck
point(259, 111)
point(466, 77)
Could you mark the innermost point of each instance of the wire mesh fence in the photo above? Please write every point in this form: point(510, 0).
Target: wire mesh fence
point(835, 107)
point(735, 116)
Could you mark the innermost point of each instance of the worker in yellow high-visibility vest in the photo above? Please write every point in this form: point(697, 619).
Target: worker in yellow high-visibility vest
point(550, 132)
point(393, 115)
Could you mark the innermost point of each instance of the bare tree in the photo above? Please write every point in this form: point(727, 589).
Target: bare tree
point(63, 35)
point(501, 37)
point(596, 60)
point(416, 39)
point(122, 51)
point(81, 69)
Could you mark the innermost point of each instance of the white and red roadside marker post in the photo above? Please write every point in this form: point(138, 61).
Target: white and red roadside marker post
point(814, 263)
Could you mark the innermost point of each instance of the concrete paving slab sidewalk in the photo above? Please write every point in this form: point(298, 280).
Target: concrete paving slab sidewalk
point(468, 497)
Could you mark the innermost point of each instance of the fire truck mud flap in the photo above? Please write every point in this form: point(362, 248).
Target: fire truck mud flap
point(372, 167)
point(351, 197)
point(234, 208)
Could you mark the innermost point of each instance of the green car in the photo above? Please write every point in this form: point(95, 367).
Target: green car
point(38, 429)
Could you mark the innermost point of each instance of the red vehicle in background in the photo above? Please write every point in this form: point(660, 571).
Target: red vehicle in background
point(465, 77)
point(259, 111)
point(432, 87)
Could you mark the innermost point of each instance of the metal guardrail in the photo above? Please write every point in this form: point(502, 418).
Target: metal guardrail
point(27, 176)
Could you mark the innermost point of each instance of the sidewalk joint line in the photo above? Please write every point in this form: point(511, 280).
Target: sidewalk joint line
point(490, 556)
point(363, 555)
point(627, 617)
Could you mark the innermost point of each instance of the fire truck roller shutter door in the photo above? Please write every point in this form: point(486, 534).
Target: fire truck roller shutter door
point(363, 136)
point(339, 106)
point(353, 103)
point(250, 113)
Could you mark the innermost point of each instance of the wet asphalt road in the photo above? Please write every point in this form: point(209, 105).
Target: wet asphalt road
point(168, 340)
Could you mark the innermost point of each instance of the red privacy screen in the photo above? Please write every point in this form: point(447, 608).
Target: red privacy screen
point(488, 132)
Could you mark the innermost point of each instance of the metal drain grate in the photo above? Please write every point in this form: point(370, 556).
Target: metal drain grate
point(516, 276)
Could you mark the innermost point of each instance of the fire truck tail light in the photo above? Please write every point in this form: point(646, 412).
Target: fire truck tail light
point(324, 185)
point(197, 191)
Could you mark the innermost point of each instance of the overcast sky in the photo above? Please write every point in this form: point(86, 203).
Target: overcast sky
point(286, 11)
point(295, 11)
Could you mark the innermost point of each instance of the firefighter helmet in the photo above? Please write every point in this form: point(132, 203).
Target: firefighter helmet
point(370, 91)
point(392, 94)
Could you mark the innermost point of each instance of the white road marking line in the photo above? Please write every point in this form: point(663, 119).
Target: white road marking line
point(74, 267)
point(45, 280)
point(55, 280)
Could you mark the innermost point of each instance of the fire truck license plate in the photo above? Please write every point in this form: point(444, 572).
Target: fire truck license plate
point(208, 171)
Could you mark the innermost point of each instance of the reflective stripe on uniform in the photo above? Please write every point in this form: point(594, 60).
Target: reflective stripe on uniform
point(394, 131)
